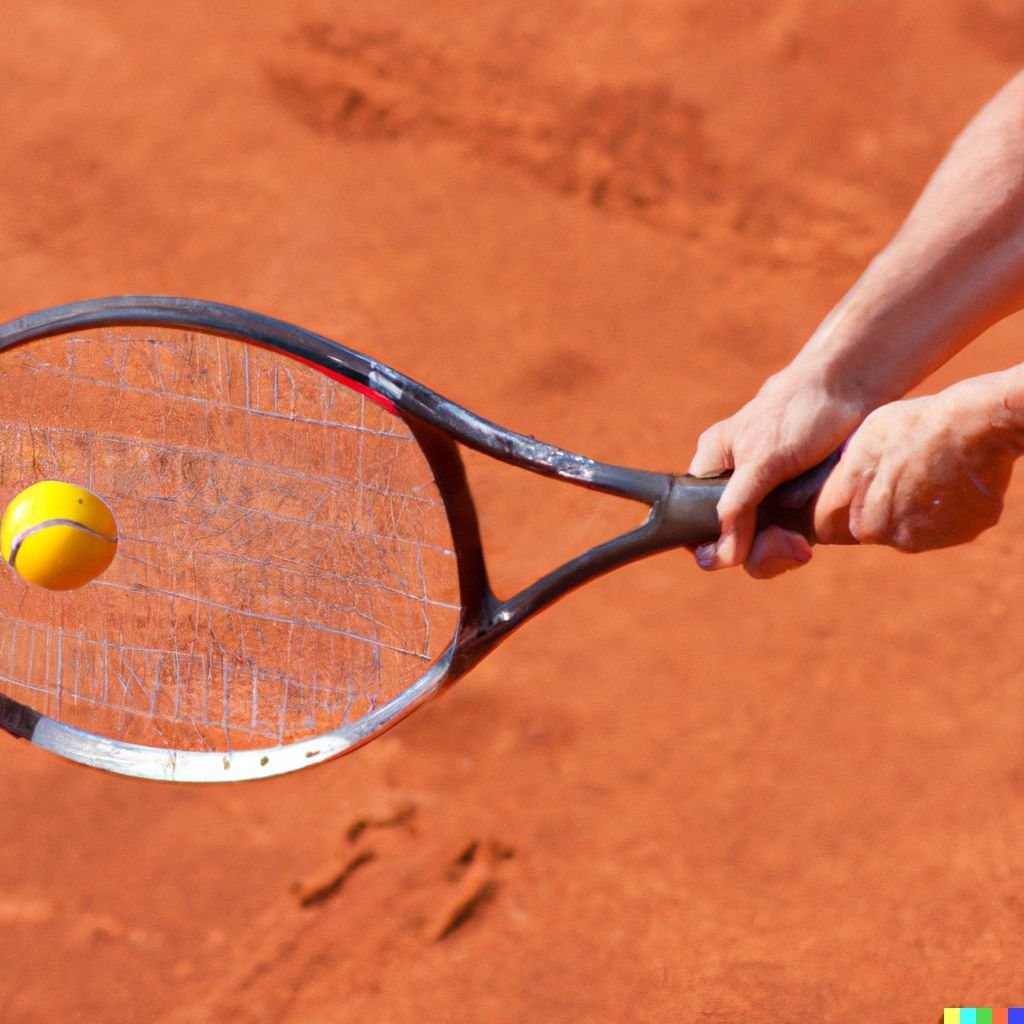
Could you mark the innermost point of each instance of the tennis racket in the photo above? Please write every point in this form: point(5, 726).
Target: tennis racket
point(299, 563)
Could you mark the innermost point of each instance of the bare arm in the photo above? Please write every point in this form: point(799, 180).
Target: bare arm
point(955, 267)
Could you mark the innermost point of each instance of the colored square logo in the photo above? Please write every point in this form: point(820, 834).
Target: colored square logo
point(983, 1015)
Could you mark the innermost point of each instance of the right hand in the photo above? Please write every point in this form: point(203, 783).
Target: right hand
point(925, 473)
point(789, 426)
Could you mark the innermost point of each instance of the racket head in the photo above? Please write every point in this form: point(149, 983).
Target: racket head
point(297, 560)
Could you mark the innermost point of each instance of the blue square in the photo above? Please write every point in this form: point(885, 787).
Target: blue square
point(1015, 1016)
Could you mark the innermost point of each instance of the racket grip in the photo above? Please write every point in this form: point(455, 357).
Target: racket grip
point(791, 506)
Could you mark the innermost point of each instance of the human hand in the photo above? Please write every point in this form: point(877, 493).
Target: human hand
point(926, 472)
point(793, 422)
point(954, 268)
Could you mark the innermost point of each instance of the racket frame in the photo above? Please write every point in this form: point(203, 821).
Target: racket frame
point(681, 513)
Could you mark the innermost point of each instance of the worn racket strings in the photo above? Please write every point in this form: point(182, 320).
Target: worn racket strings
point(285, 563)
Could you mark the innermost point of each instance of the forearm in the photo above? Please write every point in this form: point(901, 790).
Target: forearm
point(955, 267)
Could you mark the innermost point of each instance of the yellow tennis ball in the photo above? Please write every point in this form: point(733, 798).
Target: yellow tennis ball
point(57, 535)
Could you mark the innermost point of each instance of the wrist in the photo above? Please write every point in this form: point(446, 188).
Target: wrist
point(905, 317)
point(833, 377)
point(852, 358)
point(998, 400)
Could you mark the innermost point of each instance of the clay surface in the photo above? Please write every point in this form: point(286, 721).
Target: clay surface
point(674, 797)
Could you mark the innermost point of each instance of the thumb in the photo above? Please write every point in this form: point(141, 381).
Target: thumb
point(737, 518)
point(832, 508)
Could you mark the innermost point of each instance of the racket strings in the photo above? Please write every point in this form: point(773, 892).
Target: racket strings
point(285, 564)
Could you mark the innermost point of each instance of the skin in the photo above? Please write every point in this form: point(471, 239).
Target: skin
point(915, 474)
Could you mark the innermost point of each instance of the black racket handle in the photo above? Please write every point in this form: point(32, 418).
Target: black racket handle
point(693, 519)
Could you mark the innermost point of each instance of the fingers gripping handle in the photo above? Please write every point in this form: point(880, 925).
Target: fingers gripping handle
point(793, 506)
point(692, 517)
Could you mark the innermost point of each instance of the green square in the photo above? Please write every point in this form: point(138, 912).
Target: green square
point(983, 1015)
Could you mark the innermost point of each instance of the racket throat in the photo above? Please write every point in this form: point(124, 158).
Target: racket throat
point(682, 518)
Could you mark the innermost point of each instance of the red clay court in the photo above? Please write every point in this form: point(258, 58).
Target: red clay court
point(674, 797)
